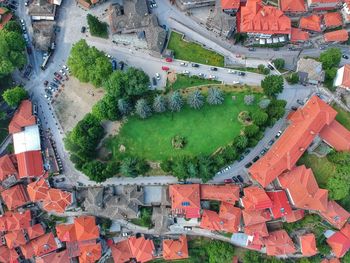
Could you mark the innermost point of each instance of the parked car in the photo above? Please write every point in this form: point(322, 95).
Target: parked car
point(271, 142)
point(240, 73)
point(186, 72)
point(195, 65)
point(122, 64)
point(255, 158)
point(35, 109)
point(157, 76)
point(114, 64)
point(212, 77)
point(246, 152)
point(248, 165)
point(231, 71)
point(240, 178)
point(58, 76)
point(165, 68)
point(83, 29)
point(228, 181)
point(251, 49)
point(345, 56)
point(241, 158)
point(154, 81)
point(184, 64)
point(235, 179)
point(169, 60)
point(214, 69)
point(201, 75)
point(279, 133)
point(235, 82)
point(59, 180)
point(46, 82)
point(294, 108)
point(270, 67)
point(300, 102)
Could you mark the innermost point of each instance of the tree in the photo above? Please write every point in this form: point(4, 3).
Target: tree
point(106, 109)
point(14, 96)
point(195, 99)
point(249, 99)
point(276, 109)
point(128, 167)
point(272, 85)
point(3, 115)
point(159, 104)
point(278, 63)
point(175, 102)
point(339, 184)
point(293, 78)
point(340, 158)
point(96, 171)
point(240, 142)
point(142, 109)
point(219, 251)
point(259, 117)
point(264, 103)
point(12, 54)
point(330, 58)
point(251, 130)
point(97, 28)
point(261, 68)
point(215, 96)
point(13, 26)
point(205, 168)
point(124, 107)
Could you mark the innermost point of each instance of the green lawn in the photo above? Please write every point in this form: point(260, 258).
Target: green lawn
point(321, 167)
point(183, 81)
point(193, 52)
point(342, 117)
point(205, 130)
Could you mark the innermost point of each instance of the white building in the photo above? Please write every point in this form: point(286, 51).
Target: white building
point(346, 11)
point(27, 140)
point(342, 78)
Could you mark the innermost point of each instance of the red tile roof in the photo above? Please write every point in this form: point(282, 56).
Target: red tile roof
point(337, 136)
point(298, 35)
point(333, 19)
point(332, 260)
point(5, 17)
point(340, 241)
point(279, 243)
point(18, 220)
point(252, 217)
point(90, 253)
point(335, 215)
point(15, 239)
point(23, 117)
point(30, 164)
point(44, 244)
point(230, 4)
point(308, 245)
point(175, 249)
point(7, 167)
point(295, 216)
point(312, 23)
point(57, 257)
point(142, 249)
point(346, 75)
point(15, 197)
point(225, 193)
point(255, 198)
point(307, 122)
point(66, 232)
point(28, 250)
point(259, 229)
point(57, 200)
point(232, 215)
point(8, 255)
point(38, 190)
point(121, 251)
point(185, 199)
point(292, 6)
point(303, 190)
point(84, 228)
point(35, 231)
point(336, 36)
point(280, 204)
point(257, 18)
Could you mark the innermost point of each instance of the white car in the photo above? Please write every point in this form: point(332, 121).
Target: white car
point(201, 75)
point(236, 82)
point(64, 66)
point(231, 71)
point(211, 77)
point(183, 64)
point(157, 76)
point(22, 22)
point(186, 72)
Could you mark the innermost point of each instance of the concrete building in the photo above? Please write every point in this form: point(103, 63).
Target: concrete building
point(42, 10)
point(188, 4)
point(342, 78)
point(345, 11)
point(312, 69)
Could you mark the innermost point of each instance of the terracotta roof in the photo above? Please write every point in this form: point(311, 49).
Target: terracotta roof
point(257, 18)
point(8, 255)
point(335, 214)
point(280, 204)
point(30, 164)
point(308, 245)
point(5, 17)
point(15, 239)
point(38, 190)
point(35, 231)
point(299, 35)
point(44, 244)
point(175, 249)
point(232, 214)
point(84, 3)
point(295, 216)
point(312, 23)
point(324, 1)
point(57, 257)
point(225, 193)
point(333, 19)
point(230, 4)
point(185, 199)
point(57, 200)
point(332, 260)
point(7, 167)
point(142, 249)
point(336, 36)
point(255, 198)
point(337, 136)
point(279, 243)
point(345, 75)
point(340, 241)
point(23, 117)
point(90, 253)
point(307, 122)
point(252, 217)
point(18, 220)
point(28, 251)
point(303, 190)
point(84, 228)
point(15, 197)
point(292, 6)
point(121, 251)
point(66, 232)
point(259, 229)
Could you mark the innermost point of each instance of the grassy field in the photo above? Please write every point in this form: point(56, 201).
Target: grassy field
point(343, 117)
point(193, 52)
point(183, 81)
point(321, 167)
point(205, 130)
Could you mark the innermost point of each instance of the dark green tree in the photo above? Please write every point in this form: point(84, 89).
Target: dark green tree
point(264, 103)
point(13, 26)
point(330, 58)
point(96, 171)
point(97, 28)
point(128, 167)
point(106, 109)
point(14, 96)
point(293, 78)
point(251, 130)
point(259, 117)
point(278, 63)
point(240, 142)
point(272, 85)
point(339, 184)
point(219, 251)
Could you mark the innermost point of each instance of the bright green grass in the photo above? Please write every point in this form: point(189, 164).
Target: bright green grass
point(205, 130)
point(193, 52)
point(342, 117)
point(183, 81)
point(321, 167)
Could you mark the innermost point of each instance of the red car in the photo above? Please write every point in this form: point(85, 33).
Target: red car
point(169, 60)
point(165, 68)
point(228, 181)
point(57, 75)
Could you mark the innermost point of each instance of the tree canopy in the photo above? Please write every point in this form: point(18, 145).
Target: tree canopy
point(219, 251)
point(272, 85)
point(330, 58)
point(14, 96)
point(278, 63)
point(97, 28)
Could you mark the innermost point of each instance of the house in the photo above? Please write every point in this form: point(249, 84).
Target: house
point(15, 197)
point(335, 214)
point(12, 221)
point(8, 255)
point(345, 11)
point(292, 6)
point(30, 164)
point(57, 257)
point(342, 78)
point(302, 189)
point(87, 4)
point(321, 5)
point(225, 193)
point(332, 19)
point(312, 69)
point(280, 204)
point(336, 136)
point(257, 231)
point(5, 16)
point(185, 200)
point(42, 10)
point(311, 23)
point(336, 36)
point(229, 6)
point(263, 21)
point(340, 241)
point(189, 4)
point(35, 231)
point(278, 243)
point(255, 198)
point(253, 217)
point(174, 249)
point(23, 117)
point(8, 169)
point(298, 35)
point(307, 244)
point(296, 215)
point(43, 34)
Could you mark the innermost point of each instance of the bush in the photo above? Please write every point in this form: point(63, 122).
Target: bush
point(14, 96)
point(293, 78)
point(278, 63)
point(97, 28)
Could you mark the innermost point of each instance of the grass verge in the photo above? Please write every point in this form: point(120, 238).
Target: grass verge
point(183, 81)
